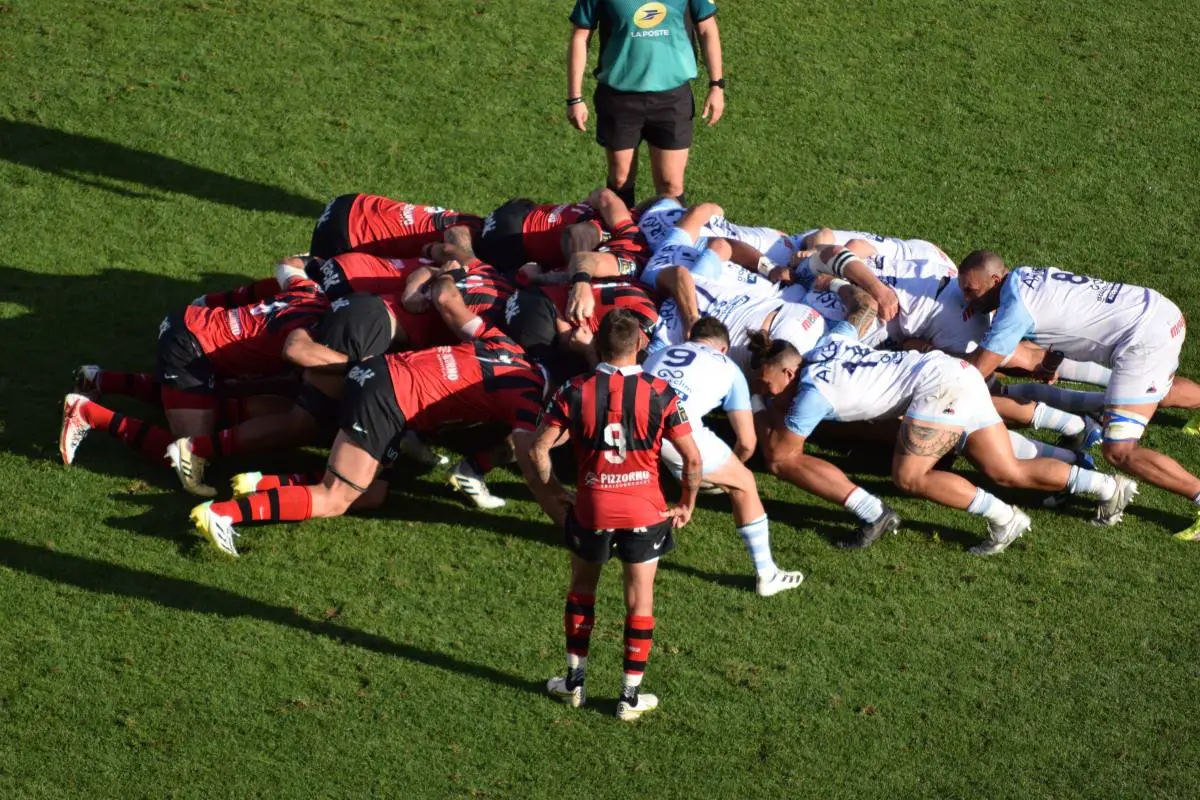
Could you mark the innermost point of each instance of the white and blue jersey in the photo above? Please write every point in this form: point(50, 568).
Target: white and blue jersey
point(704, 380)
point(846, 381)
point(657, 221)
point(1084, 318)
point(886, 246)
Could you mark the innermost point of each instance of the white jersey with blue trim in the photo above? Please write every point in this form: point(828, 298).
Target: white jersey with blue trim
point(1082, 317)
point(742, 300)
point(656, 223)
point(846, 381)
point(886, 246)
point(703, 378)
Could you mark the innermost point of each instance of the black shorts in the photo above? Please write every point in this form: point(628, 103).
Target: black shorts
point(370, 415)
point(662, 119)
point(502, 243)
point(358, 326)
point(323, 408)
point(180, 363)
point(529, 318)
point(331, 235)
point(633, 545)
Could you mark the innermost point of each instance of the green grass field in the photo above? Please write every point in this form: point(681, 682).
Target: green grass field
point(150, 151)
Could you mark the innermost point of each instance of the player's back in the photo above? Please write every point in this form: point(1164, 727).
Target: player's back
point(1083, 317)
point(617, 418)
point(701, 376)
point(248, 339)
point(486, 379)
point(861, 383)
point(362, 272)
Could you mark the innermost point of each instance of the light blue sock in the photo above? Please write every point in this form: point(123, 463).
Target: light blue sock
point(1084, 372)
point(1093, 484)
point(864, 505)
point(1025, 448)
point(991, 508)
point(1049, 418)
point(758, 541)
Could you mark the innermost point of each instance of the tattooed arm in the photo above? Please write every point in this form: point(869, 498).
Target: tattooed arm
point(861, 309)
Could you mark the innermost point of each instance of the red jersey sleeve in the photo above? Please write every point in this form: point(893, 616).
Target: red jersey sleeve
point(557, 413)
point(675, 420)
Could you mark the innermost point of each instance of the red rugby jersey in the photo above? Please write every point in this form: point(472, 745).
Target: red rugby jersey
point(362, 272)
point(617, 417)
point(542, 230)
point(248, 340)
point(484, 291)
point(395, 229)
point(488, 379)
point(608, 297)
point(629, 246)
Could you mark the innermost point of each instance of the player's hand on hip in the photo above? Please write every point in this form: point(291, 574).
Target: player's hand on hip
point(580, 304)
point(714, 105)
point(889, 304)
point(679, 514)
point(577, 115)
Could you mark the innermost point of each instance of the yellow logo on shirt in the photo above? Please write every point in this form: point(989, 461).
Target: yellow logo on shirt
point(650, 15)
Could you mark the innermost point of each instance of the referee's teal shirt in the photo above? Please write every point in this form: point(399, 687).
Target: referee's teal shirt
point(644, 46)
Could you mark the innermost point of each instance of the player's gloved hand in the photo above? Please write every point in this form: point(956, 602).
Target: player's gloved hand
point(889, 304)
point(581, 303)
point(679, 514)
point(577, 115)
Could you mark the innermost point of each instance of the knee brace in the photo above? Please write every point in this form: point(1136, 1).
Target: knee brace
point(1123, 426)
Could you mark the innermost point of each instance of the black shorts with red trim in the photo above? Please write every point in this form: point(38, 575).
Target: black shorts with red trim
point(662, 119)
point(358, 326)
point(370, 415)
point(331, 235)
point(502, 243)
point(180, 362)
point(632, 545)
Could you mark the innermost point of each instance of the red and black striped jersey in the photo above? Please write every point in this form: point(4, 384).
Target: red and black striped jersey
point(394, 229)
point(630, 247)
point(248, 340)
point(488, 379)
point(362, 272)
point(483, 290)
point(609, 296)
point(617, 418)
point(542, 231)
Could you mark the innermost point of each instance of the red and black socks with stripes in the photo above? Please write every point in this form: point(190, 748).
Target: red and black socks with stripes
point(285, 504)
point(149, 440)
point(140, 385)
point(639, 636)
point(578, 619)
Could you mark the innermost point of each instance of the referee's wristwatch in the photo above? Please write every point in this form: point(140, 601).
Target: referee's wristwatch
point(719, 83)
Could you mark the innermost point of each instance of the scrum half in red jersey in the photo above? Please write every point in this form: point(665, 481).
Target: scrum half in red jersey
point(617, 418)
point(248, 340)
point(369, 223)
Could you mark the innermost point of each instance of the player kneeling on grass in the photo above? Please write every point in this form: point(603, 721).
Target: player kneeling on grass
point(942, 400)
point(616, 417)
point(487, 379)
point(704, 378)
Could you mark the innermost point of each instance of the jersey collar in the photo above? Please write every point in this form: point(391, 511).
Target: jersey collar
point(609, 369)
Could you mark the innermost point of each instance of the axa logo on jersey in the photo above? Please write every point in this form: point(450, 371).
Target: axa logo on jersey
point(647, 18)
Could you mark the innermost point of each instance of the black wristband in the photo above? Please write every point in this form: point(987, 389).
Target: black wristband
point(581, 277)
point(574, 101)
point(719, 83)
point(457, 274)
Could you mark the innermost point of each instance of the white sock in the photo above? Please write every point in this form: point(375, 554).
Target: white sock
point(991, 508)
point(865, 505)
point(1094, 484)
point(757, 538)
point(1046, 417)
point(1084, 372)
point(1196, 499)
point(1025, 448)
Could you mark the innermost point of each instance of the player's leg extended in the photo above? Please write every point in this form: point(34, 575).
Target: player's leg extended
point(752, 525)
point(1123, 428)
point(1184, 393)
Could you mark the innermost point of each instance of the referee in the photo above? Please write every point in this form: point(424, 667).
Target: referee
point(644, 92)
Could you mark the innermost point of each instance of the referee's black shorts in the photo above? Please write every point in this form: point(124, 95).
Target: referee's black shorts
point(662, 119)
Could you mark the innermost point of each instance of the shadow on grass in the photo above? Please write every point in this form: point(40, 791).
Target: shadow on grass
point(96, 162)
point(183, 595)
